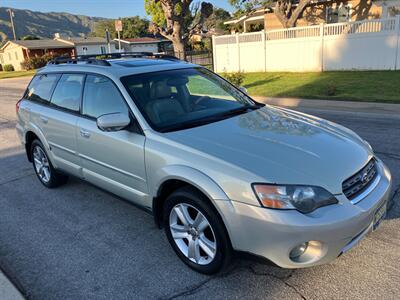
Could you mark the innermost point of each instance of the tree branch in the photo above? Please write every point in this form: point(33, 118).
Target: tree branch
point(297, 12)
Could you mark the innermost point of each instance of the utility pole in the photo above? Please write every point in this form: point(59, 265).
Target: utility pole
point(12, 22)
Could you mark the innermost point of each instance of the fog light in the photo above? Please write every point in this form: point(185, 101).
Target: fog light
point(298, 251)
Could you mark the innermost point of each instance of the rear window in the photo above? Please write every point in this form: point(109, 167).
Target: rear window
point(41, 87)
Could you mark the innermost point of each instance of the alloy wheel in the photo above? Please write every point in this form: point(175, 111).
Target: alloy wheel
point(192, 233)
point(41, 164)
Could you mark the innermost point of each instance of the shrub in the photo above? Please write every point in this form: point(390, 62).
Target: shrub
point(8, 68)
point(236, 78)
point(331, 90)
point(36, 62)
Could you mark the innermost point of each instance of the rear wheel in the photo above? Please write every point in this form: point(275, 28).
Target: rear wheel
point(44, 170)
point(195, 231)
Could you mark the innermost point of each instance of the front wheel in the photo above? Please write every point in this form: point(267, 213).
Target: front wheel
point(196, 232)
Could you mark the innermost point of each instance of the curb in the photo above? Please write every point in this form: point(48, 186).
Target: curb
point(7, 289)
point(369, 107)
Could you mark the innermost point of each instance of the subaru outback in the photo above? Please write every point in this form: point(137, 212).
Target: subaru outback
point(220, 172)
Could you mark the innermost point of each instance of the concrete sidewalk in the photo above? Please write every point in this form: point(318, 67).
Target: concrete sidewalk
point(7, 290)
point(338, 105)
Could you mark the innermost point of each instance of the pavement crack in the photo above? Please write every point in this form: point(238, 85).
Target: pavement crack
point(193, 289)
point(283, 279)
point(15, 179)
point(190, 290)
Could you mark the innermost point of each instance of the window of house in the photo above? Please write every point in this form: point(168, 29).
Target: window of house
point(1, 59)
point(338, 14)
point(68, 91)
point(101, 97)
point(16, 55)
point(393, 11)
point(9, 56)
point(41, 87)
point(103, 49)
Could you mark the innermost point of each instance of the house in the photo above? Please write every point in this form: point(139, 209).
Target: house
point(87, 45)
point(317, 12)
point(16, 52)
point(144, 44)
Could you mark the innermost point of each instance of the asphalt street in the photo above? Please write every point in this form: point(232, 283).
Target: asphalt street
point(78, 242)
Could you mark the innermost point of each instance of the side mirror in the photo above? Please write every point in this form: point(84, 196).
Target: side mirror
point(113, 122)
point(243, 89)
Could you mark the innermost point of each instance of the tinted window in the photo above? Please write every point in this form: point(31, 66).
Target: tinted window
point(41, 87)
point(101, 97)
point(68, 91)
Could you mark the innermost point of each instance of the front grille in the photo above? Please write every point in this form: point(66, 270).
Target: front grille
point(359, 182)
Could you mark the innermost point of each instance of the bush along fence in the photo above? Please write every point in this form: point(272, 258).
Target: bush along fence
point(359, 45)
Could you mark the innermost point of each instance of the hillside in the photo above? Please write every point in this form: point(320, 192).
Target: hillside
point(44, 25)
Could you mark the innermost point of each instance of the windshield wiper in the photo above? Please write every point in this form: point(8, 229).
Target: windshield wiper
point(240, 110)
point(191, 124)
point(210, 119)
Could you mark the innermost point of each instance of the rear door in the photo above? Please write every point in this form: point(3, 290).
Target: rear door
point(112, 160)
point(59, 122)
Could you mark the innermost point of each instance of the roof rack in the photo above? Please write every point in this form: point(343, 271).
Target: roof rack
point(101, 58)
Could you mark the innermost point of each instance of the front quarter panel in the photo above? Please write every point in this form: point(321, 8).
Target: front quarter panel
point(216, 178)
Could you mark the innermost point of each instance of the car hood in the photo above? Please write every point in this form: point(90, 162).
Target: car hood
point(281, 146)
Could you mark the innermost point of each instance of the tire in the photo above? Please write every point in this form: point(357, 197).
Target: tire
point(204, 232)
point(44, 170)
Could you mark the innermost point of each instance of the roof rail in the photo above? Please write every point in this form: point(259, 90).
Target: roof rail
point(117, 55)
point(101, 58)
point(70, 60)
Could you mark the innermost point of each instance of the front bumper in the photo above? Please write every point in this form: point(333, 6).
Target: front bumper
point(334, 229)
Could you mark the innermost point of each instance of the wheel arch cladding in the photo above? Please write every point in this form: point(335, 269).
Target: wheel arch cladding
point(175, 177)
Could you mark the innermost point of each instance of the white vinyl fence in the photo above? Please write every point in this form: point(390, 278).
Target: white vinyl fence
point(360, 45)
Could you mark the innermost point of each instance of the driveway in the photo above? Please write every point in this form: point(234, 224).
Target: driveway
point(78, 242)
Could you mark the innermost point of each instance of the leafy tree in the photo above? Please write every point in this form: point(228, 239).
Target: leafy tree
point(131, 27)
point(216, 20)
point(285, 11)
point(135, 27)
point(178, 20)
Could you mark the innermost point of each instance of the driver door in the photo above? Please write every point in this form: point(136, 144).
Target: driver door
point(112, 160)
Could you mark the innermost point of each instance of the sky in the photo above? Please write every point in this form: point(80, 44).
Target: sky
point(96, 8)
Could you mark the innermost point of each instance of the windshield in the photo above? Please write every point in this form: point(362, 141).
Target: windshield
point(178, 99)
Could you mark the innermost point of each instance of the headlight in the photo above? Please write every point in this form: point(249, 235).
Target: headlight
point(303, 198)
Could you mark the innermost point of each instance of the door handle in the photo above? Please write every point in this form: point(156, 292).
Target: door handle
point(44, 119)
point(84, 133)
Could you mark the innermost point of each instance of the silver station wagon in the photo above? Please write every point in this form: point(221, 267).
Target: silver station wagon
point(220, 172)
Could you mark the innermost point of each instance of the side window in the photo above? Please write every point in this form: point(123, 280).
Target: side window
point(41, 87)
point(68, 91)
point(101, 97)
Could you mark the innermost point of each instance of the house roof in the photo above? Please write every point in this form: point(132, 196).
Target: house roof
point(82, 40)
point(39, 44)
point(141, 40)
point(257, 12)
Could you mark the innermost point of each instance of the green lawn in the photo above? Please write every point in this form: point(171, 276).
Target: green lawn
point(378, 86)
point(12, 74)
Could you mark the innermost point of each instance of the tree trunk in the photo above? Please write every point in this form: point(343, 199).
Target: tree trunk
point(282, 13)
point(179, 48)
